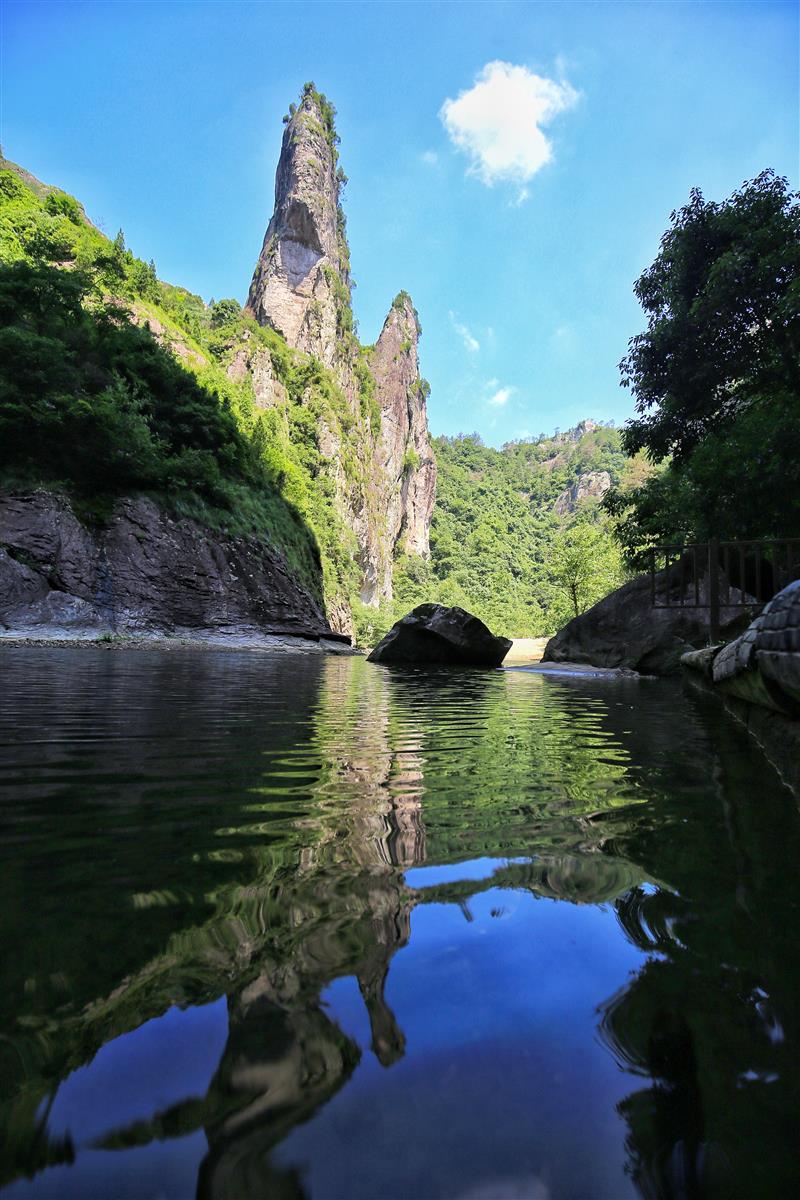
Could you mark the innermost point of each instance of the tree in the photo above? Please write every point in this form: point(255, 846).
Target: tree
point(584, 565)
point(224, 311)
point(118, 255)
point(716, 374)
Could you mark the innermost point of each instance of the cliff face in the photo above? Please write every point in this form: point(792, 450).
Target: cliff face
point(591, 485)
point(301, 288)
point(324, 450)
point(404, 452)
point(301, 277)
point(141, 573)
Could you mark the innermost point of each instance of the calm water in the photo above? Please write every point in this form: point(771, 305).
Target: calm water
point(304, 927)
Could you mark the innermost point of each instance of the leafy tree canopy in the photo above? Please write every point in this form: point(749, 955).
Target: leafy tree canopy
point(716, 374)
point(723, 306)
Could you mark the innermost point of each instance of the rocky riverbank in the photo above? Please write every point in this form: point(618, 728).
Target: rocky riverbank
point(143, 575)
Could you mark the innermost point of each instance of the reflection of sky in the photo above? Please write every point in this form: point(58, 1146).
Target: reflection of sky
point(165, 1061)
point(160, 1171)
point(504, 1089)
point(473, 869)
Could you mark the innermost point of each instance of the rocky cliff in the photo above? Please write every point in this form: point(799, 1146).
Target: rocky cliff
point(278, 423)
point(301, 281)
point(404, 451)
point(592, 485)
point(301, 288)
point(141, 573)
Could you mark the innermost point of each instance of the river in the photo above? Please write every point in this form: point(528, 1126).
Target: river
point(299, 926)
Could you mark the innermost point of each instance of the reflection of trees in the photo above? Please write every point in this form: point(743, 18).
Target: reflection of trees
point(711, 1020)
point(292, 873)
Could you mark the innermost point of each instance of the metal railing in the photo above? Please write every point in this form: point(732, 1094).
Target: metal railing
point(718, 574)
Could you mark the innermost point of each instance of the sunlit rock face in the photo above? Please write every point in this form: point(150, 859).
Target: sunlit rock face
point(404, 450)
point(301, 288)
point(268, 391)
point(592, 485)
point(295, 281)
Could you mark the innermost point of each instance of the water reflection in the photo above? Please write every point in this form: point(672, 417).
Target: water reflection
point(711, 1020)
point(184, 828)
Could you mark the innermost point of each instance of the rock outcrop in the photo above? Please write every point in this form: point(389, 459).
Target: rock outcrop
point(141, 573)
point(592, 485)
point(404, 452)
point(256, 362)
point(301, 288)
point(626, 630)
point(575, 435)
point(433, 634)
point(301, 273)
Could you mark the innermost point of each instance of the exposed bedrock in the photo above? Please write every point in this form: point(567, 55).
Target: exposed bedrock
point(625, 629)
point(301, 287)
point(404, 450)
point(143, 572)
point(294, 286)
point(592, 485)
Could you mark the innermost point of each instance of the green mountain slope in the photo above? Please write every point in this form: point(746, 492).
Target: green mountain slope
point(498, 545)
point(112, 380)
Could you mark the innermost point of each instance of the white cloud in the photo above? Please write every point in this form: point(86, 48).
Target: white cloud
point(501, 397)
point(471, 343)
point(430, 157)
point(492, 383)
point(497, 122)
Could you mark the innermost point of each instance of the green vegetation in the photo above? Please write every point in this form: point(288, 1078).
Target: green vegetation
point(403, 300)
point(499, 549)
point(114, 380)
point(716, 374)
point(585, 564)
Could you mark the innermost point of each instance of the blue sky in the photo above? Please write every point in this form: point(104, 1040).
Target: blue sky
point(518, 215)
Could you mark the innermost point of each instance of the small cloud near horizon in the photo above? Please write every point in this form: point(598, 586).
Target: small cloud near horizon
point(430, 157)
point(497, 123)
point(501, 397)
point(471, 343)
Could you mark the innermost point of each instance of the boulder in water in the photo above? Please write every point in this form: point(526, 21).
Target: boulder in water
point(435, 634)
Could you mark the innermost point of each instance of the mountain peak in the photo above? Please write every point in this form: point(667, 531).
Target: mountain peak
point(301, 284)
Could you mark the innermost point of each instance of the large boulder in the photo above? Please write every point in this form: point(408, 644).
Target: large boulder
point(435, 634)
point(625, 629)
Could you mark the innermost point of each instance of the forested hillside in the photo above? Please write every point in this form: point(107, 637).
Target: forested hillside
point(511, 540)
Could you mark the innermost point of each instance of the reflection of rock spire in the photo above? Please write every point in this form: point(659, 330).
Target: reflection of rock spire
point(280, 1065)
point(382, 782)
point(388, 1039)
